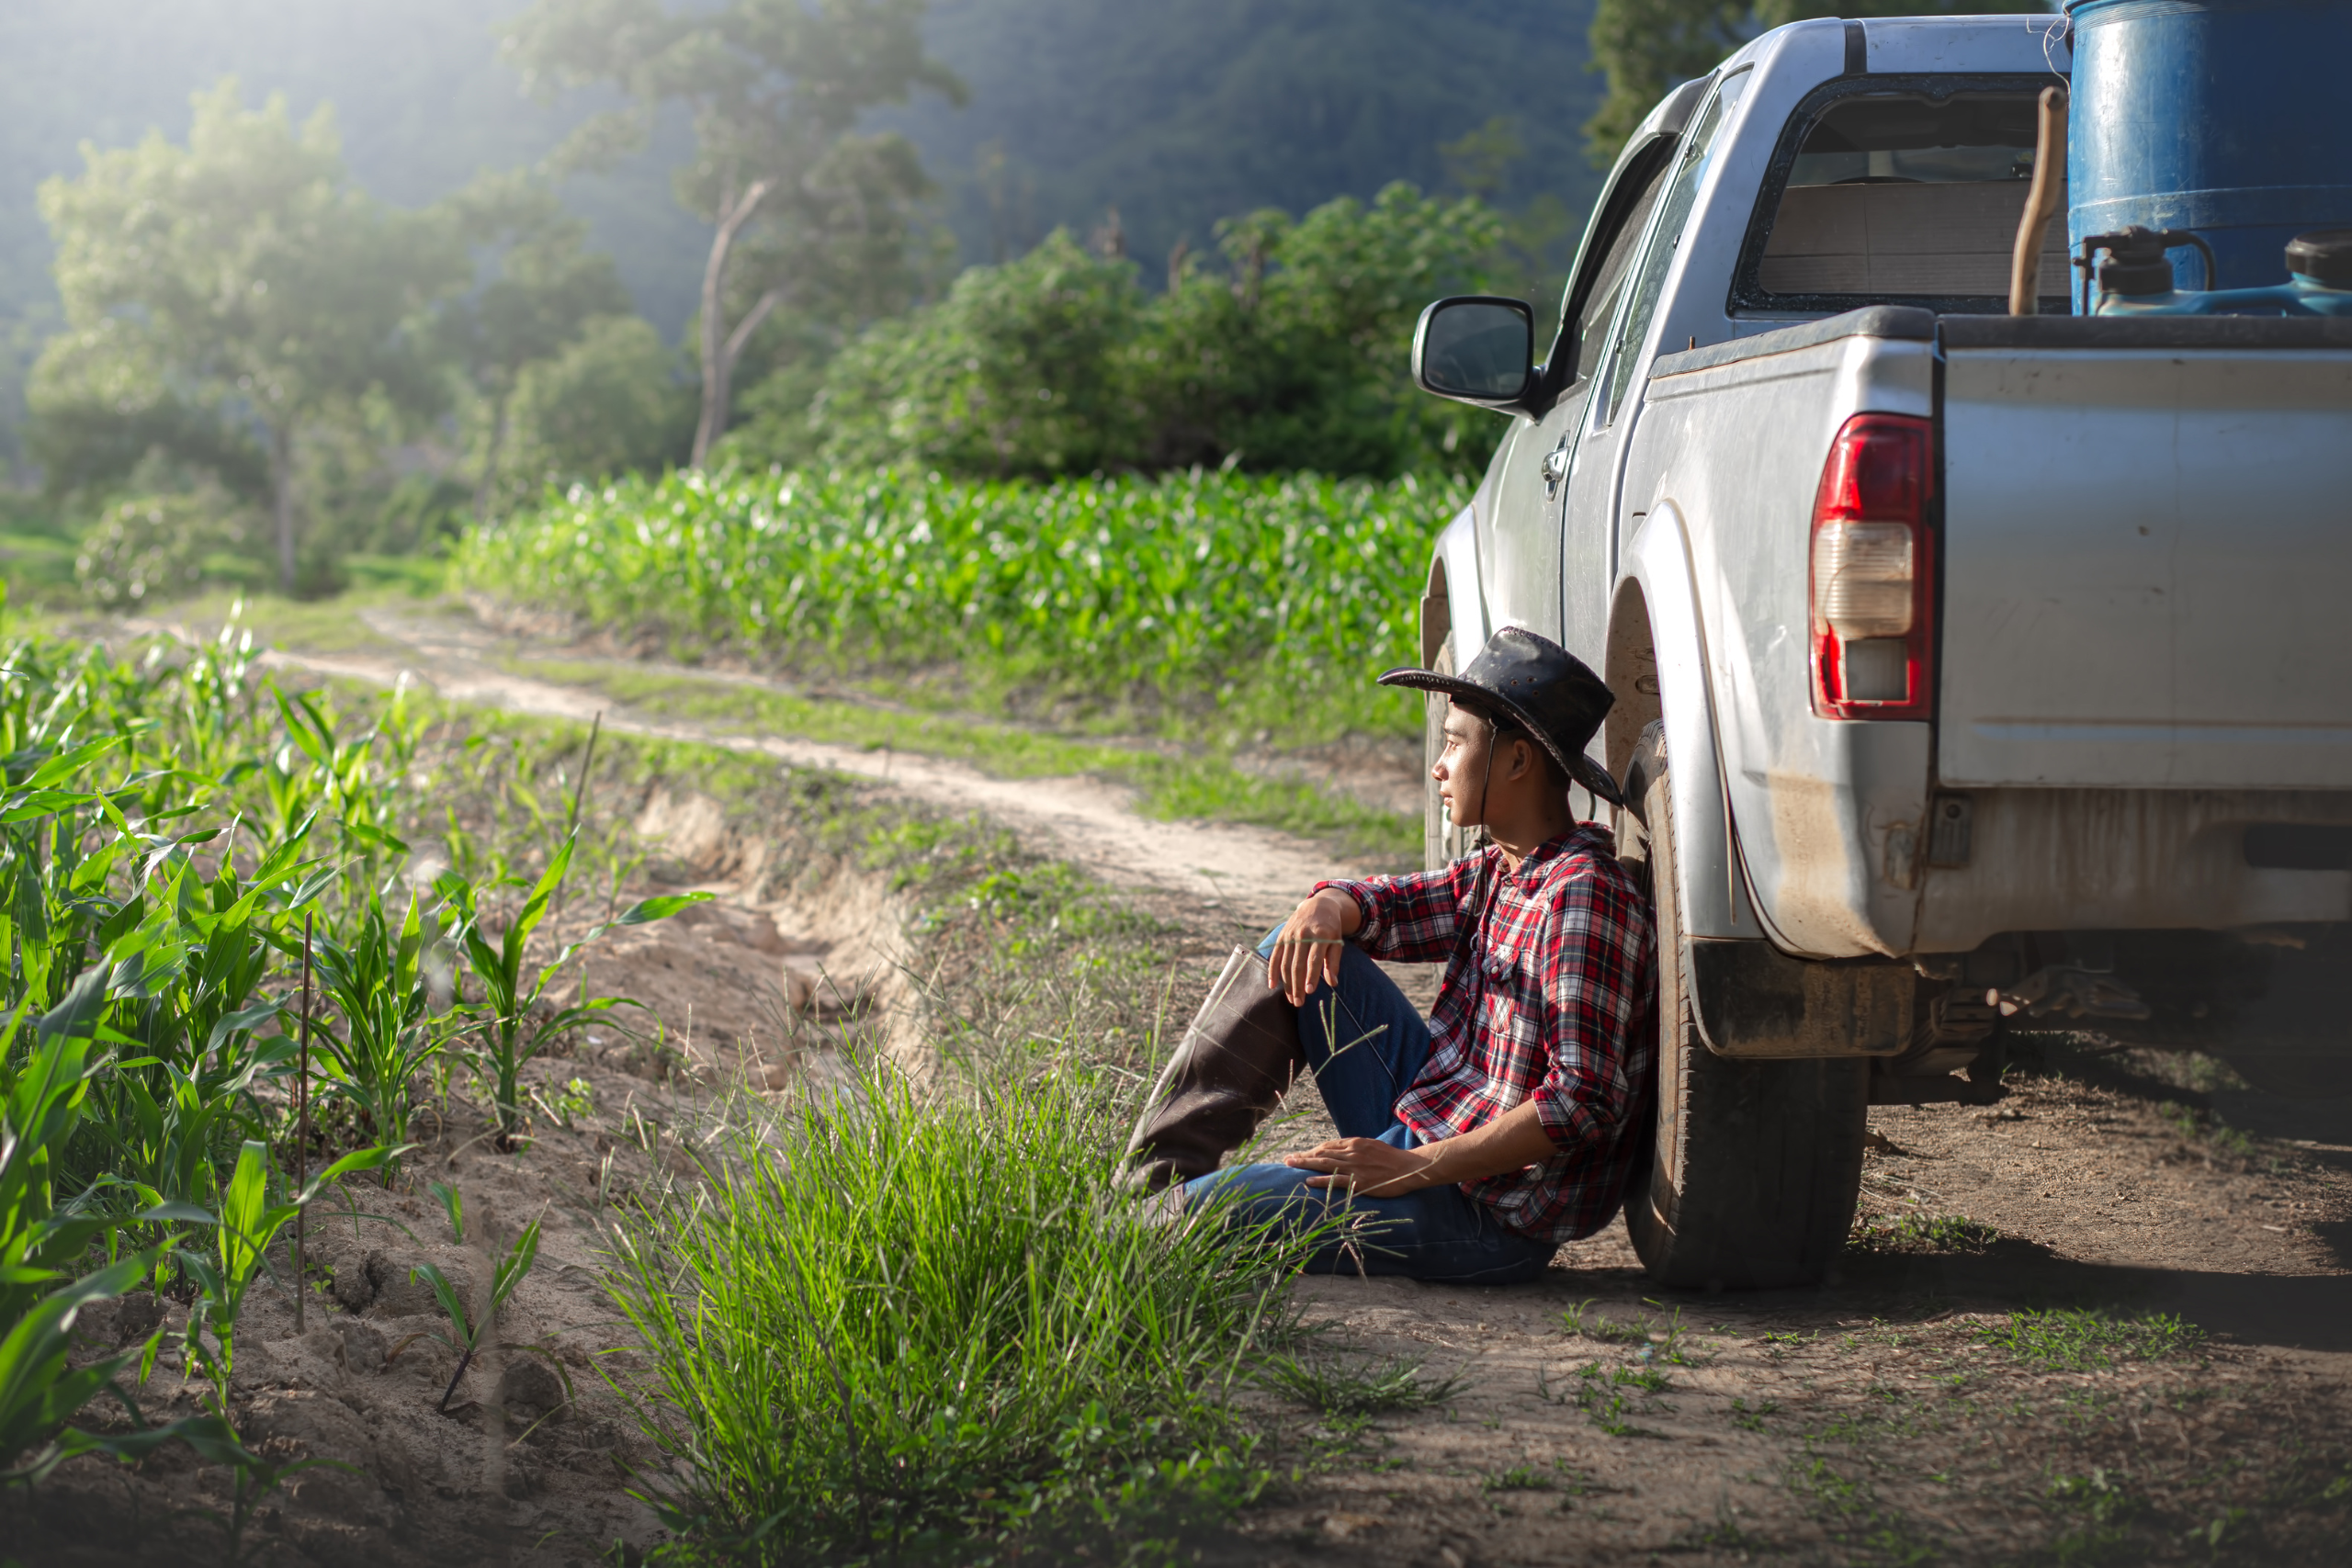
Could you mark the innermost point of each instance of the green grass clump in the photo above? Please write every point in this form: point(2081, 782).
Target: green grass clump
point(1917, 1232)
point(1253, 601)
point(2206, 1127)
point(906, 1313)
point(2081, 1339)
point(1340, 1389)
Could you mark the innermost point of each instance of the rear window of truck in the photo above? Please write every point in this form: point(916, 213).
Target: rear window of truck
point(1898, 191)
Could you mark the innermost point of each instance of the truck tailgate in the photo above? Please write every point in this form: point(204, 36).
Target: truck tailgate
point(2147, 553)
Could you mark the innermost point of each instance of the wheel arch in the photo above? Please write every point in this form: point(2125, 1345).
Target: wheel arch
point(1657, 665)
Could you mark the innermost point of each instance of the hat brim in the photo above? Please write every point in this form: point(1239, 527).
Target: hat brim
point(1577, 766)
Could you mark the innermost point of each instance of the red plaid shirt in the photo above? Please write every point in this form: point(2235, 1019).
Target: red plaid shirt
point(1550, 995)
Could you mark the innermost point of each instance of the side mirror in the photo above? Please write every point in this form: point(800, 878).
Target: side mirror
point(1476, 348)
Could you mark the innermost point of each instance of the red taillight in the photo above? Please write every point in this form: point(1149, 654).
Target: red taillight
point(1873, 570)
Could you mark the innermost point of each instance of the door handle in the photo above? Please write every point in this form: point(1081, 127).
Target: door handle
point(1556, 469)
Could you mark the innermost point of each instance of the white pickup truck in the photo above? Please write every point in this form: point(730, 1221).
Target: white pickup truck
point(1974, 672)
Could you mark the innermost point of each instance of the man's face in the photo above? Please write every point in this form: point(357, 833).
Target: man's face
point(1461, 768)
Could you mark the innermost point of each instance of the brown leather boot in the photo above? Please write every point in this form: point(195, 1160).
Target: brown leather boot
point(1229, 1072)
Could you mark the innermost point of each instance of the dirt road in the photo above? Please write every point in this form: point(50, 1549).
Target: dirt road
point(2109, 1320)
point(1252, 873)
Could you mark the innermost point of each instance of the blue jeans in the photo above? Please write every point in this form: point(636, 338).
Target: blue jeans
point(1365, 1044)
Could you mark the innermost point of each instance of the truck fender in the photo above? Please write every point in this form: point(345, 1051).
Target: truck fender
point(1454, 603)
point(1747, 998)
point(1657, 667)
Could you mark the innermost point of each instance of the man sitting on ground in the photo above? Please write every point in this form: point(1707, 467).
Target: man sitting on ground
point(1473, 1143)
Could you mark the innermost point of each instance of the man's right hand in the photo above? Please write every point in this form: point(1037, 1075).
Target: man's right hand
point(1308, 948)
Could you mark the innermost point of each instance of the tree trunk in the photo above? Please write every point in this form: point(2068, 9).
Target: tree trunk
point(281, 487)
point(498, 406)
point(717, 361)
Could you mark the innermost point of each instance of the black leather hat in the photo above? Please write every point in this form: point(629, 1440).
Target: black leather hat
point(1546, 690)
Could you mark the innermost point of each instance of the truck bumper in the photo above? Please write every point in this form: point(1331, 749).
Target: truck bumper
point(2057, 860)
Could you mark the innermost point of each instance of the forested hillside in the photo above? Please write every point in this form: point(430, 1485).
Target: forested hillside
point(1186, 111)
point(1178, 113)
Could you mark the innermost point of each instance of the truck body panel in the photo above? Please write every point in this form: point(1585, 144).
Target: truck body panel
point(2146, 565)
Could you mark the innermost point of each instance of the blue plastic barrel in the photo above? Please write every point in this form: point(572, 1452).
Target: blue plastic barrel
point(2225, 116)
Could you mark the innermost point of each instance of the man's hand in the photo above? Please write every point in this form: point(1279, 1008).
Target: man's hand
point(1371, 1169)
point(1367, 1167)
point(1308, 947)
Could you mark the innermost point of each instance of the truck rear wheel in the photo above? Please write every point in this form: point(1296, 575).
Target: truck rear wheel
point(1752, 1180)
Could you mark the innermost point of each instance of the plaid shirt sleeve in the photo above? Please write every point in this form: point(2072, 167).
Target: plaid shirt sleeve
point(1413, 919)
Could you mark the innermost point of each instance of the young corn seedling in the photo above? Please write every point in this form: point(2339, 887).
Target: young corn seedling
point(377, 985)
point(505, 1276)
point(510, 1034)
point(244, 1226)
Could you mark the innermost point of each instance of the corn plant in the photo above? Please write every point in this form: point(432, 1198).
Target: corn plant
point(510, 1028)
point(505, 1275)
point(42, 1098)
point(375, 983)
point(244, 1226)
point(1281, 592)
point(186, 956)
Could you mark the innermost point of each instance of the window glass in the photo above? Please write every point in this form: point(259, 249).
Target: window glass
point(1901, 197)
point(1609, 279)
point(1650, 281)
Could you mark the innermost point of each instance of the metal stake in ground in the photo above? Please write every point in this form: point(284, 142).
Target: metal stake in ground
point(571, 828)
point(303, 1128)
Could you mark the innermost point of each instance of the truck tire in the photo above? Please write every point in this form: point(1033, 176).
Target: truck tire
point(1752, 1178)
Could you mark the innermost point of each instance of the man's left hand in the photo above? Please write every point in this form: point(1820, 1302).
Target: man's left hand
point(1367, 1167)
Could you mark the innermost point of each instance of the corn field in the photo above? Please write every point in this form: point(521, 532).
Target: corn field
point(1262, 600)
point(186, 853)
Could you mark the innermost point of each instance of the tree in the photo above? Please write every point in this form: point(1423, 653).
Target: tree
point(610, 402)
point(1292, 353)
point(549, 291)
point(805, 211)
point(236, 290)
point(1648, 46)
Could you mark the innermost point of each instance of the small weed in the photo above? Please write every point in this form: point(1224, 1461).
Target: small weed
point(1778, 1346)
point(573, 1103)
point(1518, 1478)
point(1727, 1535)
point(1917, 1232)
point(2231, 1527)
point(1850, 1509)
point(1750, 1418)
point(2081, 1339)
point(1649, 1380)
point(2102, 1497)
point(1581, 1320)
point(2104, 1509)
point(1339, 1389)
point(1599, 1392)
point(2208, 1128)
point(1673, 1338)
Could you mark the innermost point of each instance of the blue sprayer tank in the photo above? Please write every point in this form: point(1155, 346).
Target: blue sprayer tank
point(2225, 118)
